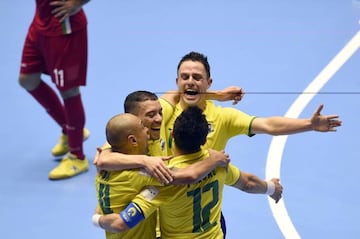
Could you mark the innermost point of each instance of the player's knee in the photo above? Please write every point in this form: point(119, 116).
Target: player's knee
point(70, 93)
point(29, 82)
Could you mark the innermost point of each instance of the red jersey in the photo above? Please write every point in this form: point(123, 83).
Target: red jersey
point(45, 23)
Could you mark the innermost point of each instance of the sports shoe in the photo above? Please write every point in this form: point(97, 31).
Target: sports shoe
point(69, 166)
point(62, 146)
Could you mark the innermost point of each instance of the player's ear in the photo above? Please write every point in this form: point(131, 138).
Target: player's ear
point(209, 81)
point(132, 139)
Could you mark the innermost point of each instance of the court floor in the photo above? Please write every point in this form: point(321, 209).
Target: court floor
point(289, 56)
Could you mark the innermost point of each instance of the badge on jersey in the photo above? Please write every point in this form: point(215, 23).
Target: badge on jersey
point(132, 215)
point(144, 173)
point(150, 193)
point(162, 145)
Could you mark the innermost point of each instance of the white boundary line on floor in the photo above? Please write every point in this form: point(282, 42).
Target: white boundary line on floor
point(277, 145)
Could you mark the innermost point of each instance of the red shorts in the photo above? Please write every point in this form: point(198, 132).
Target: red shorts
point(63, 57)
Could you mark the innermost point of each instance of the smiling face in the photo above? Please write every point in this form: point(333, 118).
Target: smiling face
point(150, 112)
point(193, 82)
point(142, 136)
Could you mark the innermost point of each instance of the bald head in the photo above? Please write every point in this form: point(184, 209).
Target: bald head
point(126, 134)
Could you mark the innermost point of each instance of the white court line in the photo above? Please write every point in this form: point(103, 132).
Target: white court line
point(277, 145)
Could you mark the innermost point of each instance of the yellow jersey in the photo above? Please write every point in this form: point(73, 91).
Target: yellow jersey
point(114, 192)
point(224, 123)
point(189, 211)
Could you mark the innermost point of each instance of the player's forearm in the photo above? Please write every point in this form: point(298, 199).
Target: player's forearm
point(278, 125)
point(231, 93)
point(113, 161)
point(250, 183)
point(194, 172)
point(284, 126)
point(213, 95)
point(110, 222)
point(172, 97)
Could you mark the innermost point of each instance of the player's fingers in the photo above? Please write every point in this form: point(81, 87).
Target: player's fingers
point(159, 177)
point(64, 17)
point(164, 175)
point(319, 109)
point(332, 129)
point(332, 117)
point(56, 3)
point(166, 158)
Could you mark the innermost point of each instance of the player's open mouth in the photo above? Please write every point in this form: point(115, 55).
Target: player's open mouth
point(191, 92)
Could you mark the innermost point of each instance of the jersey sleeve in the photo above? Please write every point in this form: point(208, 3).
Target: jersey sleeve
point(153, 197)
point(232, 175)
point(238, 121)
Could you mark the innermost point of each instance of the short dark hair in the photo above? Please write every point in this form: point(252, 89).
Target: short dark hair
point(196, 56)
point(190, 130)
point(132, 100)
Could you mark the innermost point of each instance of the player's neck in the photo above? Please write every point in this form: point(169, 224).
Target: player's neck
point(200, 104)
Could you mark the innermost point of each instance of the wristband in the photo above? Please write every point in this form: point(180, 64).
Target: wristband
point(270, 188)
point(96, 219)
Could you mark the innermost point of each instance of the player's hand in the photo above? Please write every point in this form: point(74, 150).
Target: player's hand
point(277, 195)
point(324, 123)
point(222, 159)
point(157, 168)
point(232, 93)
point(96, 159)
point(64, 9)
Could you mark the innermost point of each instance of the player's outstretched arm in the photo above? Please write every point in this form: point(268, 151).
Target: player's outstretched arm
point(251, 183)
point(278, 125)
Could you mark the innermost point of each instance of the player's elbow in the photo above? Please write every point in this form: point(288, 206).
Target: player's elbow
point(190, 179)
point(102, 164)
point(247, 182)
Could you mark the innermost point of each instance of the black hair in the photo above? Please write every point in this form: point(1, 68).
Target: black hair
point(132, 100)
point(190, 130)
point(196, 56)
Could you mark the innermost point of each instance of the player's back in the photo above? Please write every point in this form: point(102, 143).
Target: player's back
point(114, 191)
point(194, 210)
